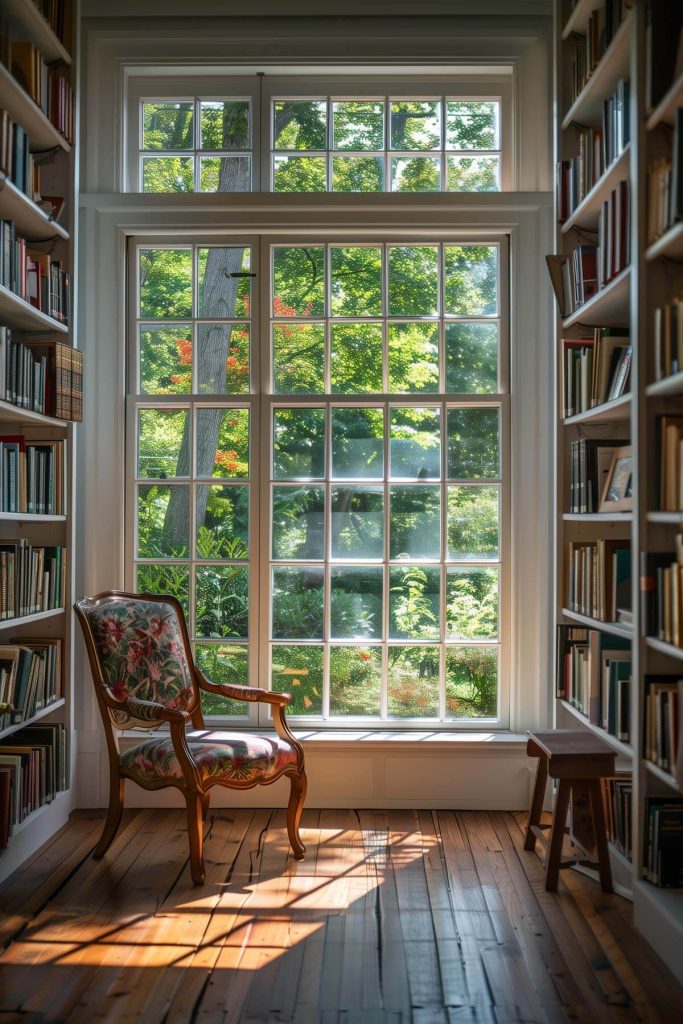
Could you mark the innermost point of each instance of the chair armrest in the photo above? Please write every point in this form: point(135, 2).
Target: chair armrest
point(151, 711)
point(253, 694)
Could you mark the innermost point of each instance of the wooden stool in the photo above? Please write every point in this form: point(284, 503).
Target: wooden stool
point(578, 759)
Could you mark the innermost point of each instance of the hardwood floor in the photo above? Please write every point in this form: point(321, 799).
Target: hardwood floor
point(393, 917)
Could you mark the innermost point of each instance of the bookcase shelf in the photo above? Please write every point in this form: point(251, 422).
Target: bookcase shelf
point(670, 245)
point(32, 222)
point(665, 777)
point(613, 628)
point(587, 213)
point(47, 710)
point(36, 28)
point(614, 65)
point(664, 648)
point(665, 110)
point(667, 387)
point(29, 517)
point(597, 517)
point(674, 518)
point(607, 308)
point(618, 411)
point(16, 312)
point(578, 19)
point(15, 414)
point(21, 108)
point(27, 620)
point(624, 749)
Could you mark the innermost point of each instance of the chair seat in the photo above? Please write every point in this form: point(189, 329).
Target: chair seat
point(222, 757)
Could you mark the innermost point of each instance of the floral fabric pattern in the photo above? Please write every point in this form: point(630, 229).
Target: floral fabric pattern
point(220, 757)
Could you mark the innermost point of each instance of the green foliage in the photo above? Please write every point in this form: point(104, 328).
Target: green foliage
point(473, 444)
point(298, 670)
point(223, 664)
point(473, 522)
point(471, 682)
point(222, 517)
point(222, 601)
point(154, 538)
point(355, 681)
point(414, 603)
point(297, 599)
point(472, 604)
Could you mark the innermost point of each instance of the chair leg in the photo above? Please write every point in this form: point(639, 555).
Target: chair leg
point(206, 804)
point(195, 831)
point(297, 796)
point(111, 825)
point(600, 832)
point(554, 853)
point(536, 802)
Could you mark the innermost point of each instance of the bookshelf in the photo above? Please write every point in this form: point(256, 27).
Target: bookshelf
point(653, 277)
point(22, 20)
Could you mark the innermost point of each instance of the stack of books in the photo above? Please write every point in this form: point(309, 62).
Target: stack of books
point(589, 49)
point(58, 13)
point(668, 339)
point(591, 460)
point(663, 713)
point(46, 85)
point(663, 854)
point(30, 678)
point(32, 476)
point(36, 277)
point(599, 579)
point(614, 234)
point(16, 159)
point(33, 769)
point(618, 803)
point(596, 369)
point(31, 579)
point(42, 375)
point(593, 674)
point(669, 462)
point(661, 594)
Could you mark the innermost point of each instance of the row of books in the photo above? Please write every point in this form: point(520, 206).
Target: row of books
point(663, 712)
point(599, 579)
point(42, 375)
point(596, 369)
point(32, 476)
point(30, 678)
point(16, 159)
point(34, 276)
point(668, 339)
point(663, 853)
point(593, 674)
point(591, 460)
point(617, 795)
point(614, 234)
point(665, 186)
point(663, 49)
point(59, 16)
point(589, 49)
point(669, 442)
point(31, 578)
point(45, 84)
point(661, 594)
point(33, 769)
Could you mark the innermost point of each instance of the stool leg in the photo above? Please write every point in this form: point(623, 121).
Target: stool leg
point(554, 855)
point(536, 802)
point(600, 831)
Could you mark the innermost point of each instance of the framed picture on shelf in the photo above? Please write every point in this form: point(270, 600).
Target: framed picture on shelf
point(617, 495)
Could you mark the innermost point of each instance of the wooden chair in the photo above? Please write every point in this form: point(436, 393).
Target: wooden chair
point(145, 676)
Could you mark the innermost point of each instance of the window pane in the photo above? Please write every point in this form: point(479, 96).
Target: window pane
point(299, 174)
point(167, 174)
point(171, 580)
point(413, 280)
point(356, 358)
point(222, 443)
point(413, 682)
point(221, 601)
point(223, 359)
point(298, 443)
point(413, 357)
point(356, 603)
point(415, 124)
point(225, 174)
point(222, 522)
point(355, 680)
point(473, 174)
point(163, 521)
point(297, 598)
point(357, 522)
point(224, 125)
point(357, 443)
point(300, 124)
point(471, 280)
point(165, 284)
point(168, 125)
point(358, 174)
point(356, 281)
point(415, 174)
point(358, 124)
point(166, 360)
point(298, 670)
point(298, 281)
point(472, 523)
point(221, 294)
point(298, 523)
point(299, 358)
point(415, 527)
point(225, 665)
point(471, 682)
point(472, 124)
point(163, 443)
point(473, 444)
point(472, 604)
point(472, 358)
point(414, 603)
point(415, 444)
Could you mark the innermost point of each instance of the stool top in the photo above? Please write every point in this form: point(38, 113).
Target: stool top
point(574, 743)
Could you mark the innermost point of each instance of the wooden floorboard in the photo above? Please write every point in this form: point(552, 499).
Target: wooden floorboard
point(393, 917)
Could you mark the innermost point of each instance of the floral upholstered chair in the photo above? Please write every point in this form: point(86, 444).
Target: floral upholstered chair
point(145, 676)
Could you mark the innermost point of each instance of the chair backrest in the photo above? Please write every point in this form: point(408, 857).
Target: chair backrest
point(138, 647)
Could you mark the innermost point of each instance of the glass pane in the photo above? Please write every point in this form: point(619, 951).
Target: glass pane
point(223, 664)
point(473, 174)
point(472, 682)
point(414, 603)
point(471, 280)
point(298, 670)
point(413, 357)
point(358, 174)
point(472, 358)
point(358, 443)
point(165, 284)
point(300, 124)
point(415, 124)
point(298, 443)
point(221, 294)
point(415, 528)
point(224, 124)
point(358, 124)
point(170, 580)
point(163, 524)
point(472, 604)
point(415, 444)
point(299, 523)
point(222, 443)
point(355, 681)
point(167, 174)
point(298, 281)
point(471, 124)
point(168, 125)
point(413, 682)
point(221, 601)
point(299, 358)
point(473, 444)
point(357, 522)
point(472, 523)
point(297, 598)
point(166, 360)
point(223, 359)
point(356, 603)
point(356, 358)
point(222, 522)
point(162, 443)
point(299, 174)
point(413, 280)
point(225, 174)
point(356, 281)
point(415, 174)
